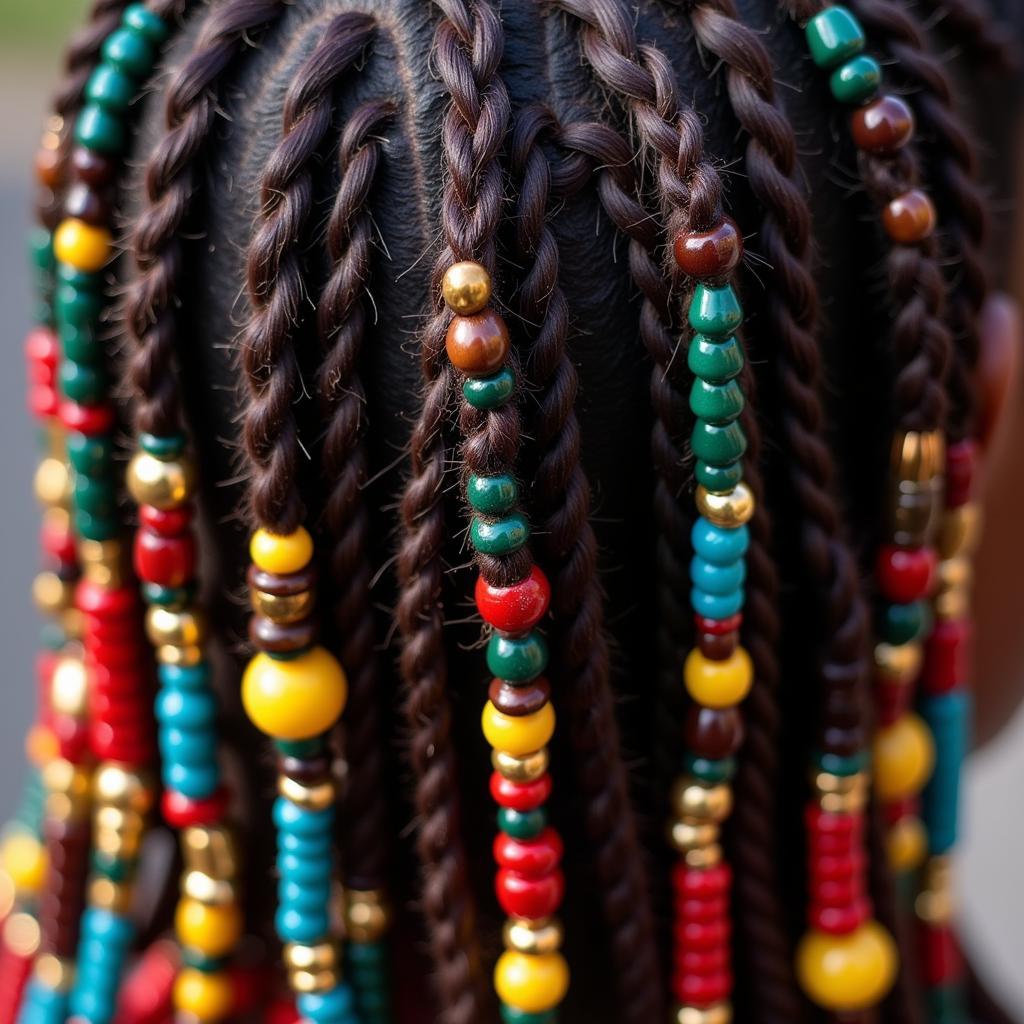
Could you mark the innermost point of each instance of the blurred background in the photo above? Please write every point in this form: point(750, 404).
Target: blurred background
point(31, 37)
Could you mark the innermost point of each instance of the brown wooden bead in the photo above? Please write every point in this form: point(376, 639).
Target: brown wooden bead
point(478, 345)
point(718, 646)
point(909, 218)
point(282, 586)
point(713, 733)
point(844, 742)
point(48, 167)
point(280, 637)
point(708, 255)
point(882, 126)
point(91, 167)
point(86, 204)
point(519, 700)
point(307, 771)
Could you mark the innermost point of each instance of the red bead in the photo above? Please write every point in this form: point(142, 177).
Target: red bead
point(961, 464)
point(43, 402)
point(179, 811)
point(882, 126)
point(90, 420)
point(72, 736)
point(282, 1011)
point(905, 574)
point(840, 893)
point(702, 990)
point(718, 626)
point(713, 733)
point(701, 883)
point(709, 255)
point(908, 808)
point(839, 920)
point(701, 936)
point(165, 561)
point(943, 962)
point(520, 796)
point(514, 609)
point(103, 602)
point(832, 868)
point(91, 167)
point(702, 911)
point(823, 823)
point(702, 961)
point(531, 857)
point(531, 897)
point(909, 218)
point(947, 656)
point(168, 522)
point(58, 542)
point(42, 349)
point(147, 993)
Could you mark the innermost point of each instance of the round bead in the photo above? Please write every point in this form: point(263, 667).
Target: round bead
point(856, 80)
point(520, 796)
point(909, 218)
point(212, 930)
point(714, 360)
point(537, 856)
point(713, 733)
point(904, 757)
point(297, 698)
point(523, 768)
point(208, 997)
point(99, 128)
point(533, 936)
point(533, 983)
point(715, 311)
point(517, 700)
point(24, 860)
point(466, 288)
point(281, 554)
point(717, 545)
point(883, 126)
point(478, 345)
point(906, 844)
point(180, 812)
point(517, 608)
point(833, 36)
point(718, 646)
point(110, 88)
point(128, 51)
point(709, 254)
point(726, 510)
point(140, 19)
point(521, 734)
point(902, 623)
point(489, 392)
point(905, 574)
point(162, 484)
point(517, 659)
point(167, 561)
point(847, 973)
point(501, 536)
point(81, 245)
point(530, 897)
point(522, 824)
point(719, 580)
point(492, 495)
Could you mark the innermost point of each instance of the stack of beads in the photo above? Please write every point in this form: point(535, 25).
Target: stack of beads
point(718, 672)
point(531, 976)
point(366, 961)
point(295, 691)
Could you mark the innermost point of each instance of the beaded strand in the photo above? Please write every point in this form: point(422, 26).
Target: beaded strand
point(531, 976)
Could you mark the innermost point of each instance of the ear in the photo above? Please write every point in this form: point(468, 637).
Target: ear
point(999, 364)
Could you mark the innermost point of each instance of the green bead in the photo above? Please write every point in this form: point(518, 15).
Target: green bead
point(89, 456)
point(168, 597)
point(716, 403)
point(363, 953)
point(719, 446)
point(500, 537)
point(206, 964)
point(80, 343)
point(842, 764)
point(84, 280)
point(78, 307)
point(94, 527)
point(715, 310)
point(946, 1004)
point(517, 659)
point(511, 1015)
point(111, 867)
point(95, 495)
point(834, 36)
point(167, 446)
point(522, 824)
point(52, 636)
point(140, 19)
point(492, 495)
point(718, 479)
point(303, 749)
point(706, 770)
point(130, 52)
point(110, 88)
point(902, 623)
point(99, 129)
point(40, 247)
point(857, 80)
point(81, 383)
point(489, 392)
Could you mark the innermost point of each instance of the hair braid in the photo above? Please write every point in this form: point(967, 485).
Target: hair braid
point(341, 319)
point(569, 548)
point(989, 43)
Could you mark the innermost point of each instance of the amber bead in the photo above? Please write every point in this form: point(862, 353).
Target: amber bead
point(478, 345)
point(713, 733)
point(519, 700)
point(718, 646)
point(48, 167)
point(709, 255)
point(281, 637)
point(909, 218)
point(882, 126)
point(91, 167)
point(87, 205)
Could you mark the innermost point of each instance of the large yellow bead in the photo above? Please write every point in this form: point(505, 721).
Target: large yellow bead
point(847, 972)
point(208, 997)
point(718, 684)
point(212, 930)
point(294, 698)
point(281, 554)
point(904, 756)
point(518, 734)
point(23, 858)
point(81, 245)
point(533, 983)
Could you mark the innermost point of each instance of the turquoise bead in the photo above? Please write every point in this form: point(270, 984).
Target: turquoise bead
point(305, 846)
point(501, 537)
point(98, 129)
point(129, 51)
point(711, 771)
point(304, 869)
point(168, 597)
point(716, 403)
point(80, 343)
point(193, 781)
point(95, 496)
point(291, 818)
point(845, 765)
point(76, 306)
point(902, 623)
point(716, 606)
point(185, 677)
point(492, 495)
point(206, 964)
point(40, 247)
point(186, 709)
point(719, 544)
point(304, 895)
point(367, 954)
point(718, 479)
point(719, 580)
point(168, 446)
point(107, 926)
point(299, 926)
point(84, 280)
point(718, 445)
point(857, 80)
point(110, 88)
point(512, 1015)
point(89, 455)
point(522, 824)
point(109, 866)
point(834, 36)
point(948, 716)
point(140, 19)
point(489, 392)
point(81, 383)
point(188, 746)
point(96, 527)
point(715, 311)
point(517, 659)
point(336, 1006)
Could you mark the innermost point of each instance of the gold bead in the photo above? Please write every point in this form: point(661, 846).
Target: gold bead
point(703, 857)
point(688, 835)
point(322, 956)
point(717, 1013)
point(311, 798)
point(284, 609)
point(955, 572)
point(175, 629)
point(313, 981)
point(466, 288)
point(123, 843)
point(526, 768)
point(851, 802)
point(102, 561)
point(21, 934)
point(899, 664)
point(52, 482)
point(366, 915)
point(8, 894)
point(107, 894)
point(61, 776)
point(952, 598)
point(701, 804)
point(162, 484)
point(54, 973)
point(69, 687)
point(729, 510)
point(124, 789)
point(534, 937)
point(952, 604)
point(71, 621)
point(185, 656)
point(200, 886)
point(826, 783)
point(918, 456)
point(959, 531)
point(51, 594)
point(210, 850)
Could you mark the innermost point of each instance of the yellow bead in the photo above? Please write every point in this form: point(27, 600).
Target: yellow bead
point(847, 972)
point(718, 684)
point(295, 698)
point(466, 288)
point(207, 997)
point(518, 734)
point(907, 844)
point(904, 756)
point(279, 554)
point(726, 510)
point(81, 245)
point(23, 857)
point(213, 931)
point(533, 983)
point(162, 483)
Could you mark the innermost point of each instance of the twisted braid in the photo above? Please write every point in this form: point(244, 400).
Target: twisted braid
point(171, 177)
point(341, 322)
point(468, 44)
point(275, 278)
point(989, 43)
point(569, 549)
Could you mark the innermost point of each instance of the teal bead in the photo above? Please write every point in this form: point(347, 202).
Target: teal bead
point(304, 870)
point(718, 544)
point(718, 479)
point(110, 88)
point(109, 866)
point(336, 1006)
point(168, 446)
point(140, 19)
point(40, 247)
point(364, 954)
point(184, 677)
point(902, 623)
point(107, 926)
point(186, 709)
point(522, 824)
point(843, 764)
point(719, 580)
point(716, 606)
point(207, 964)
point(197, 782)
point(89, 456)
point(834, 36)
point(301, 926)
point(715, 361)
point(52, 636)
point(857, 80)
point(80, 343)
point(306, 847)
point(501, 537)
point(489, 392)
point(83, 280)
point(303, 749)
point(716, 403)
point(711, 771)
point(130, 52)
point(512, 1015)
point(76, 306)
point(492, 495)
point(188, 746)
point(95, 496)
point(98, 129)
point(948, 716)
point(517, 659)
point(96, 527)
point(718, 445)
point(311, 895)
point(290, 817)
point(168, 597)
point(81, 383)
point(946, 1004)
point(715, 310)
